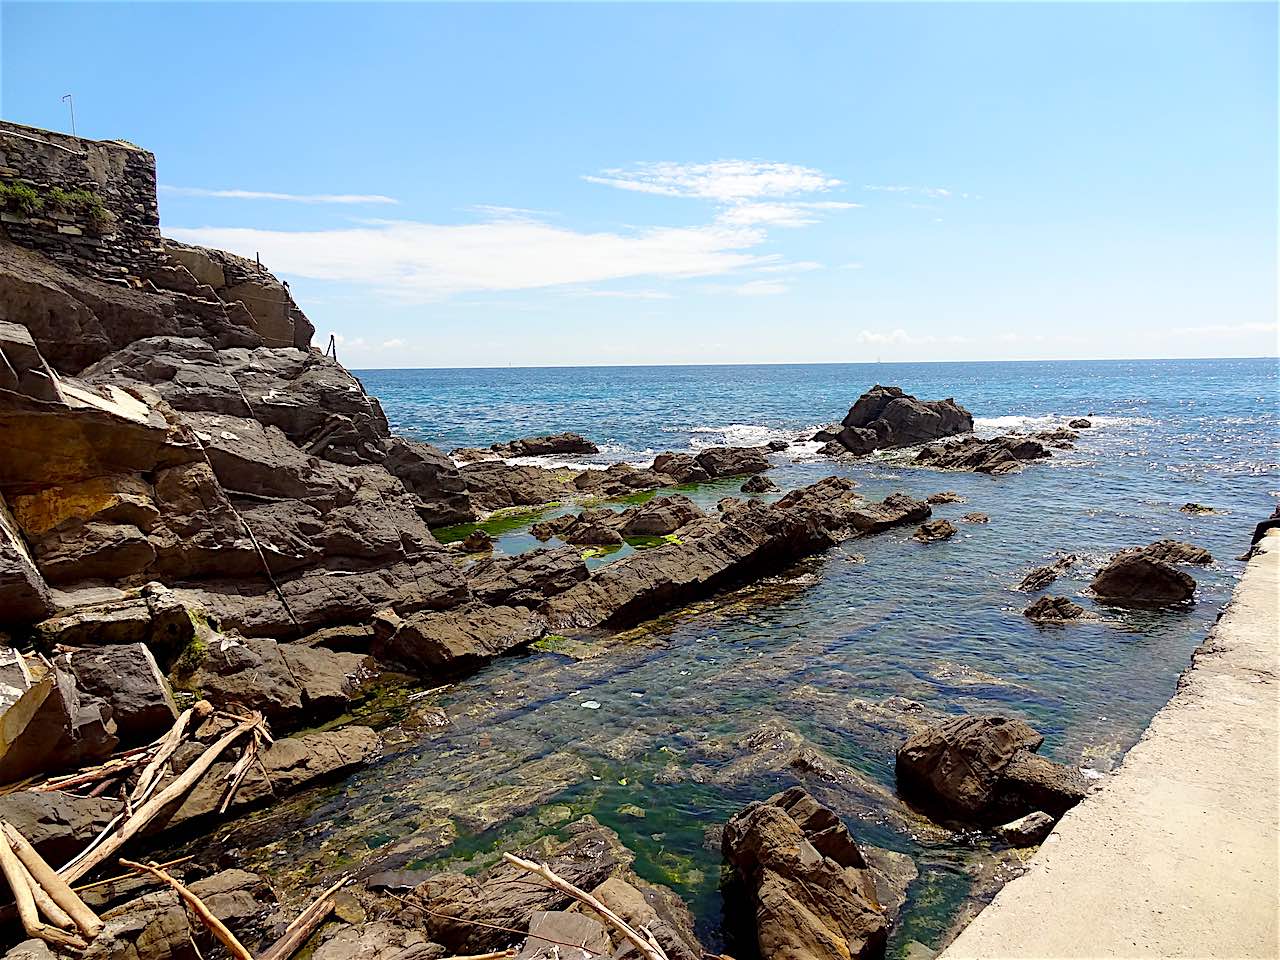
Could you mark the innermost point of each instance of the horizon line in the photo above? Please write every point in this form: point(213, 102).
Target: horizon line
point(811, 363)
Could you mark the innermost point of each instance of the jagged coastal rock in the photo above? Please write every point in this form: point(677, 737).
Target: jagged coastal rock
point(802, 878)
point(886, 417)
point(985, 769)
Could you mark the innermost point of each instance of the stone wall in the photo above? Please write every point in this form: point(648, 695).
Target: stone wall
point(94, 208)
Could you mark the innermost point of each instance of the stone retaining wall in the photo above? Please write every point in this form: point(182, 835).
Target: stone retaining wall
point(94, 208)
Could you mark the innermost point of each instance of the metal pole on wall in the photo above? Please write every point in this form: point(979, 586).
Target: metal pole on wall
point(70, 102)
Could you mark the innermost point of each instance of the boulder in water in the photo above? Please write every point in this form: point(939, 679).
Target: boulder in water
point(981, 768)
point(805, 881)
point(1132, 578)
point(886, 417)
point(1054, 610)
point(934, 530)
point(732, 461)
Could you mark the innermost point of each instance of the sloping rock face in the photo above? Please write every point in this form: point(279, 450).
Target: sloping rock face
point(249, 472)
point(804, 878)
point(887, 417)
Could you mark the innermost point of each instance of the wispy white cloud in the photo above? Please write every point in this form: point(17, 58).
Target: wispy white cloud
point(1228, 329)
point(495, 211)
point(727, 181)
point(900, 336)
point(761, 288)
point(794, 266)
point(394, 343)
point(514, 248)
point(793, 214)
point(419, 261)
point(933, 193)
point(625, 294)
point(350, 198)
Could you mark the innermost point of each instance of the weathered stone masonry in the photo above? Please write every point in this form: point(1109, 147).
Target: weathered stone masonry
point(90, 206)
point(121, 175)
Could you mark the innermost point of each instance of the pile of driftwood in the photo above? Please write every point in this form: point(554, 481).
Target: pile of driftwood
point(47, 906)
point(50, 909)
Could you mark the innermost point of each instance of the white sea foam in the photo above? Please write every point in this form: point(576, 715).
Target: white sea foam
point(1030, 423)
point(737, 435)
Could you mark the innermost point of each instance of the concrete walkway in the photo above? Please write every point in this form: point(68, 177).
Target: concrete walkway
point(1177, 855)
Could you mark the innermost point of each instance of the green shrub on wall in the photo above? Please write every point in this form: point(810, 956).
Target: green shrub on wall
point(26, 200)
point(21, 198)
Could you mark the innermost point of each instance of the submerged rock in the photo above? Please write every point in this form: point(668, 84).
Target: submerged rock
point(975, 517)
point(1133, 578)
point(557, 444)
point(984, 768)
point(1080, 423)
point(1198, 509)
point(805, 881)
point(1041, 577)
point(1054, 610)
point(758, 484)
point(946, 496)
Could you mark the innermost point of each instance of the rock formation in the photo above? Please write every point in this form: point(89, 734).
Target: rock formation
point(934, 530)
point(1054, 610)
point(997, 456)
point(1041, 577)
point(886, 417)
point(984, 769)
point(1134, 578)
point(804, 881)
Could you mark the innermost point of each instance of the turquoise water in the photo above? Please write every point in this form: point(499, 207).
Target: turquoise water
point(678, 720)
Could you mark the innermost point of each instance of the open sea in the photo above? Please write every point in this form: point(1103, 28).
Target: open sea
point(666, 731)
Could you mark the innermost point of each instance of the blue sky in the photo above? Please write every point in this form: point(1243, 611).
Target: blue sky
point(473, 185)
